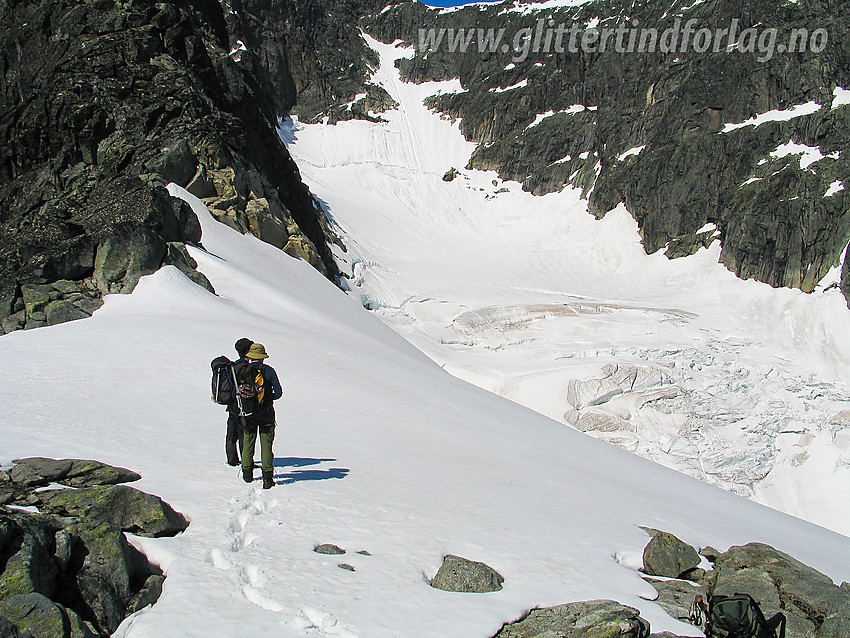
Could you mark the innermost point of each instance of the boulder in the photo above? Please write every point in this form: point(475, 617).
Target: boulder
point(201, 186)
point(63, 310)
point(328, 548)
point(11, 492)
point(579, 620)
point(36, 614)
point(299, 245)
point(265, 224)
point(8, 296)
point(126, 508)
point(462, 575)
point(147, 595)
point(26, 542)
point(38, 471)
point(666, 555)
point(36, 297)
point(14, 321)
point(105, 572)
point(73, 261)
point(836, 625)
point(125, 256)
point(676, 597)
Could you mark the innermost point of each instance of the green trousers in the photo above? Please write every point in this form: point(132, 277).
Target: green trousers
point(249, 442)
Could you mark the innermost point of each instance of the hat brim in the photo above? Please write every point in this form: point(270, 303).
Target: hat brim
point(252, 355)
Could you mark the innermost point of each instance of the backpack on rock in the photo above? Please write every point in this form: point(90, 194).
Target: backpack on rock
point(740, 616)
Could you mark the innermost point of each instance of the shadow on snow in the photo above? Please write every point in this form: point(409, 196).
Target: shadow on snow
point(296, 474)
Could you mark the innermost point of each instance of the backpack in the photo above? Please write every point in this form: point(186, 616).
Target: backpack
point(740, 616)
point(223, 389)
point(250, 391)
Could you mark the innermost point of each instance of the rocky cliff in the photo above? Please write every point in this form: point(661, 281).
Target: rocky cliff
point(103, 103)
point(649, 130)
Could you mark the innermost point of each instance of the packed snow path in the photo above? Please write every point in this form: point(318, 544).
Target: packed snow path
point(525, 296)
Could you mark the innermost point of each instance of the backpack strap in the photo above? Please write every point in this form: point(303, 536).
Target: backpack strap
point(776, 624)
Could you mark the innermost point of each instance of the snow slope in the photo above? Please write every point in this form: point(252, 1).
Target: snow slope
point(377, 449)
point(526, 295)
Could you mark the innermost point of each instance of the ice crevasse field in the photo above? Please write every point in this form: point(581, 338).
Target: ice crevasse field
point(378, 448)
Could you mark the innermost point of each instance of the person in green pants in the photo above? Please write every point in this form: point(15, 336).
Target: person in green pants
point(258, 388)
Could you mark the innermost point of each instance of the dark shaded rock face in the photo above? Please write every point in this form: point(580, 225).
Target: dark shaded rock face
point(69, 571)
point(772, 215)
point(101, 105)
point(316, 60)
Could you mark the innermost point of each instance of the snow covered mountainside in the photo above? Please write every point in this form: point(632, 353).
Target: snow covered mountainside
point(733, 382)
point(377, 449)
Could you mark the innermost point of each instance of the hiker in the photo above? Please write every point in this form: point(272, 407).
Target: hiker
point(233, 439)
point(259, 386)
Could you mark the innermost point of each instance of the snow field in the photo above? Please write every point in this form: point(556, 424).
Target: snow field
point(377, 449)
point(761, 373)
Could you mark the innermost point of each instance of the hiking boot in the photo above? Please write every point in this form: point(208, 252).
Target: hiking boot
point(247, 475)
point(268, 480)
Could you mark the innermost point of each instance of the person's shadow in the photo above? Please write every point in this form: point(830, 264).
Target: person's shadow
point(295, 472)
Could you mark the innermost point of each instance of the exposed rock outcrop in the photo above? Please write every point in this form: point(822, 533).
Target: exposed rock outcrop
point(648, 130)
point(576, 620)
point(69, 571)
point(106, 102)
point(317, 64)
point(814, 606)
